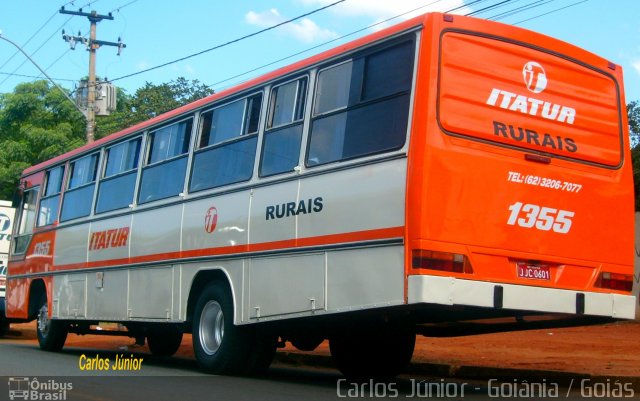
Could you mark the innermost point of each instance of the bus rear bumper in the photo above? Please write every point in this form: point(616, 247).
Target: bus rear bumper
point(454, 291)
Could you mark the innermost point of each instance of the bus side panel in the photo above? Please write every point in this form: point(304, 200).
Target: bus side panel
point(100, 250)
point(107, 294)
point(269, 221)
point(151, 294)
point(215, 225)
point(360, 204)
point(155, 234)
point(271, 289)
point(72, 245)
point(365, 278)
point(17, 298)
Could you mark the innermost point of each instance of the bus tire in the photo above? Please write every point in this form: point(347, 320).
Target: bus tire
point(375, 354)
point(165, 340)
point(51, 333)
point(262, 352)
point(4, 326)
point(220, 346)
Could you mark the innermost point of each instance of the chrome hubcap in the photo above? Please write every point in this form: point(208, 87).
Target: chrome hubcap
point(211, 331)
point(43, 320)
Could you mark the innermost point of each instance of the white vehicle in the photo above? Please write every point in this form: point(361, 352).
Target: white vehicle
point(6, 225)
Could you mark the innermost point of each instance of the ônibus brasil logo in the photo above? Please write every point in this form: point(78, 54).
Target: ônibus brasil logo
point(534, 77)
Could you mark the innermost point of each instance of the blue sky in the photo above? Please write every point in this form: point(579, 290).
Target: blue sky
point(158, 31)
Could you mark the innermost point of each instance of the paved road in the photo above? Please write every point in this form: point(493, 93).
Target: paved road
point(59, 376)
point(179, 379)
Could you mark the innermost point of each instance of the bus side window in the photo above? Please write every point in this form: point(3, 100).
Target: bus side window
point(282, 138)
point(79, 195)
point(50, 202)
point(227, 147)
point(166, 168)
point(119, 178)
point(26, 220)
point(361, 107)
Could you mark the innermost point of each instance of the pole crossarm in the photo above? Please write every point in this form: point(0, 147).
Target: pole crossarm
point(93, 16)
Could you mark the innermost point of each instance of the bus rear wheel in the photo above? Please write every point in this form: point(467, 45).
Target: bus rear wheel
point(220, 347)
point(374, 354)
point(51, 333)
point(165, 340)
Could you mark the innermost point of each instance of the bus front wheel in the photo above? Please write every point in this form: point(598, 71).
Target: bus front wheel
point(51, 333)
point(220, 347)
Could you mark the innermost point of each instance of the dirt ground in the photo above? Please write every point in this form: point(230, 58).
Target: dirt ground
point(609, 350)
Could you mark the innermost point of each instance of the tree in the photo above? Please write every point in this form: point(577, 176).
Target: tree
point(633, 115)
point(149, 101)
point(37, 122)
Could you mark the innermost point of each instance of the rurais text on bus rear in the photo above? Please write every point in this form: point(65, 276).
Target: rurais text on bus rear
point(536, 81)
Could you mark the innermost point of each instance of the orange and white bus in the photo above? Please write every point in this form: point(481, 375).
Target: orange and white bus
point(443, 167)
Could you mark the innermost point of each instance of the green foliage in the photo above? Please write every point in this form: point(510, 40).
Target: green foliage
point(633, 115)
point(37, 122)
point(150, 101)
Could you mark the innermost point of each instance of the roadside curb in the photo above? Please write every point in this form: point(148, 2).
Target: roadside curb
point(419, 368)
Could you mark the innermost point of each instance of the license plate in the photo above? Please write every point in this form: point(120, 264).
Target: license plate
point(533, 271)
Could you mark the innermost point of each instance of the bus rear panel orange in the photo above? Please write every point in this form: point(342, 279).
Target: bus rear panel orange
point(519, 166)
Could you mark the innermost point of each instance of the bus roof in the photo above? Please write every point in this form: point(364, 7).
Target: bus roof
point(472, 23)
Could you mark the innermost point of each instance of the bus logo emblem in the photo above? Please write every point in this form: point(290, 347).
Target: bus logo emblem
point(211, 220)
point(534, 77)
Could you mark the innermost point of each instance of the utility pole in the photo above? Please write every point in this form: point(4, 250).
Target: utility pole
point(92, 45)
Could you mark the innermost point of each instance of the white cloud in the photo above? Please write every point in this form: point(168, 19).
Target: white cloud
point(264, 19)
point(636, 65)
point(304, 30)
point(384, 9)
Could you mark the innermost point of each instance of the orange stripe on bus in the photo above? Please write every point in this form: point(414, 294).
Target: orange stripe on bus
point(359, 236)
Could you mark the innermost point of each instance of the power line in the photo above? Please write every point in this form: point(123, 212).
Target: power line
point(35, 51)
point(500, 16)
point(45, 42)
point(278, 25)
point(34, 35)
point(511, 12)
point(496, 5)
point(36, 77)
point(229, 42)
point(117, 9)
point(343, 37)
point(519, 9)
point(550, 12)
point(327, 42)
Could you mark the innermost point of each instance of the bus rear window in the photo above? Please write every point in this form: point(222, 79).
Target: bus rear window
point(513, 95)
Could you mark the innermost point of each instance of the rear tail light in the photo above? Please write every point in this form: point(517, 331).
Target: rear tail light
point(442, 261)
point(615, 281)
